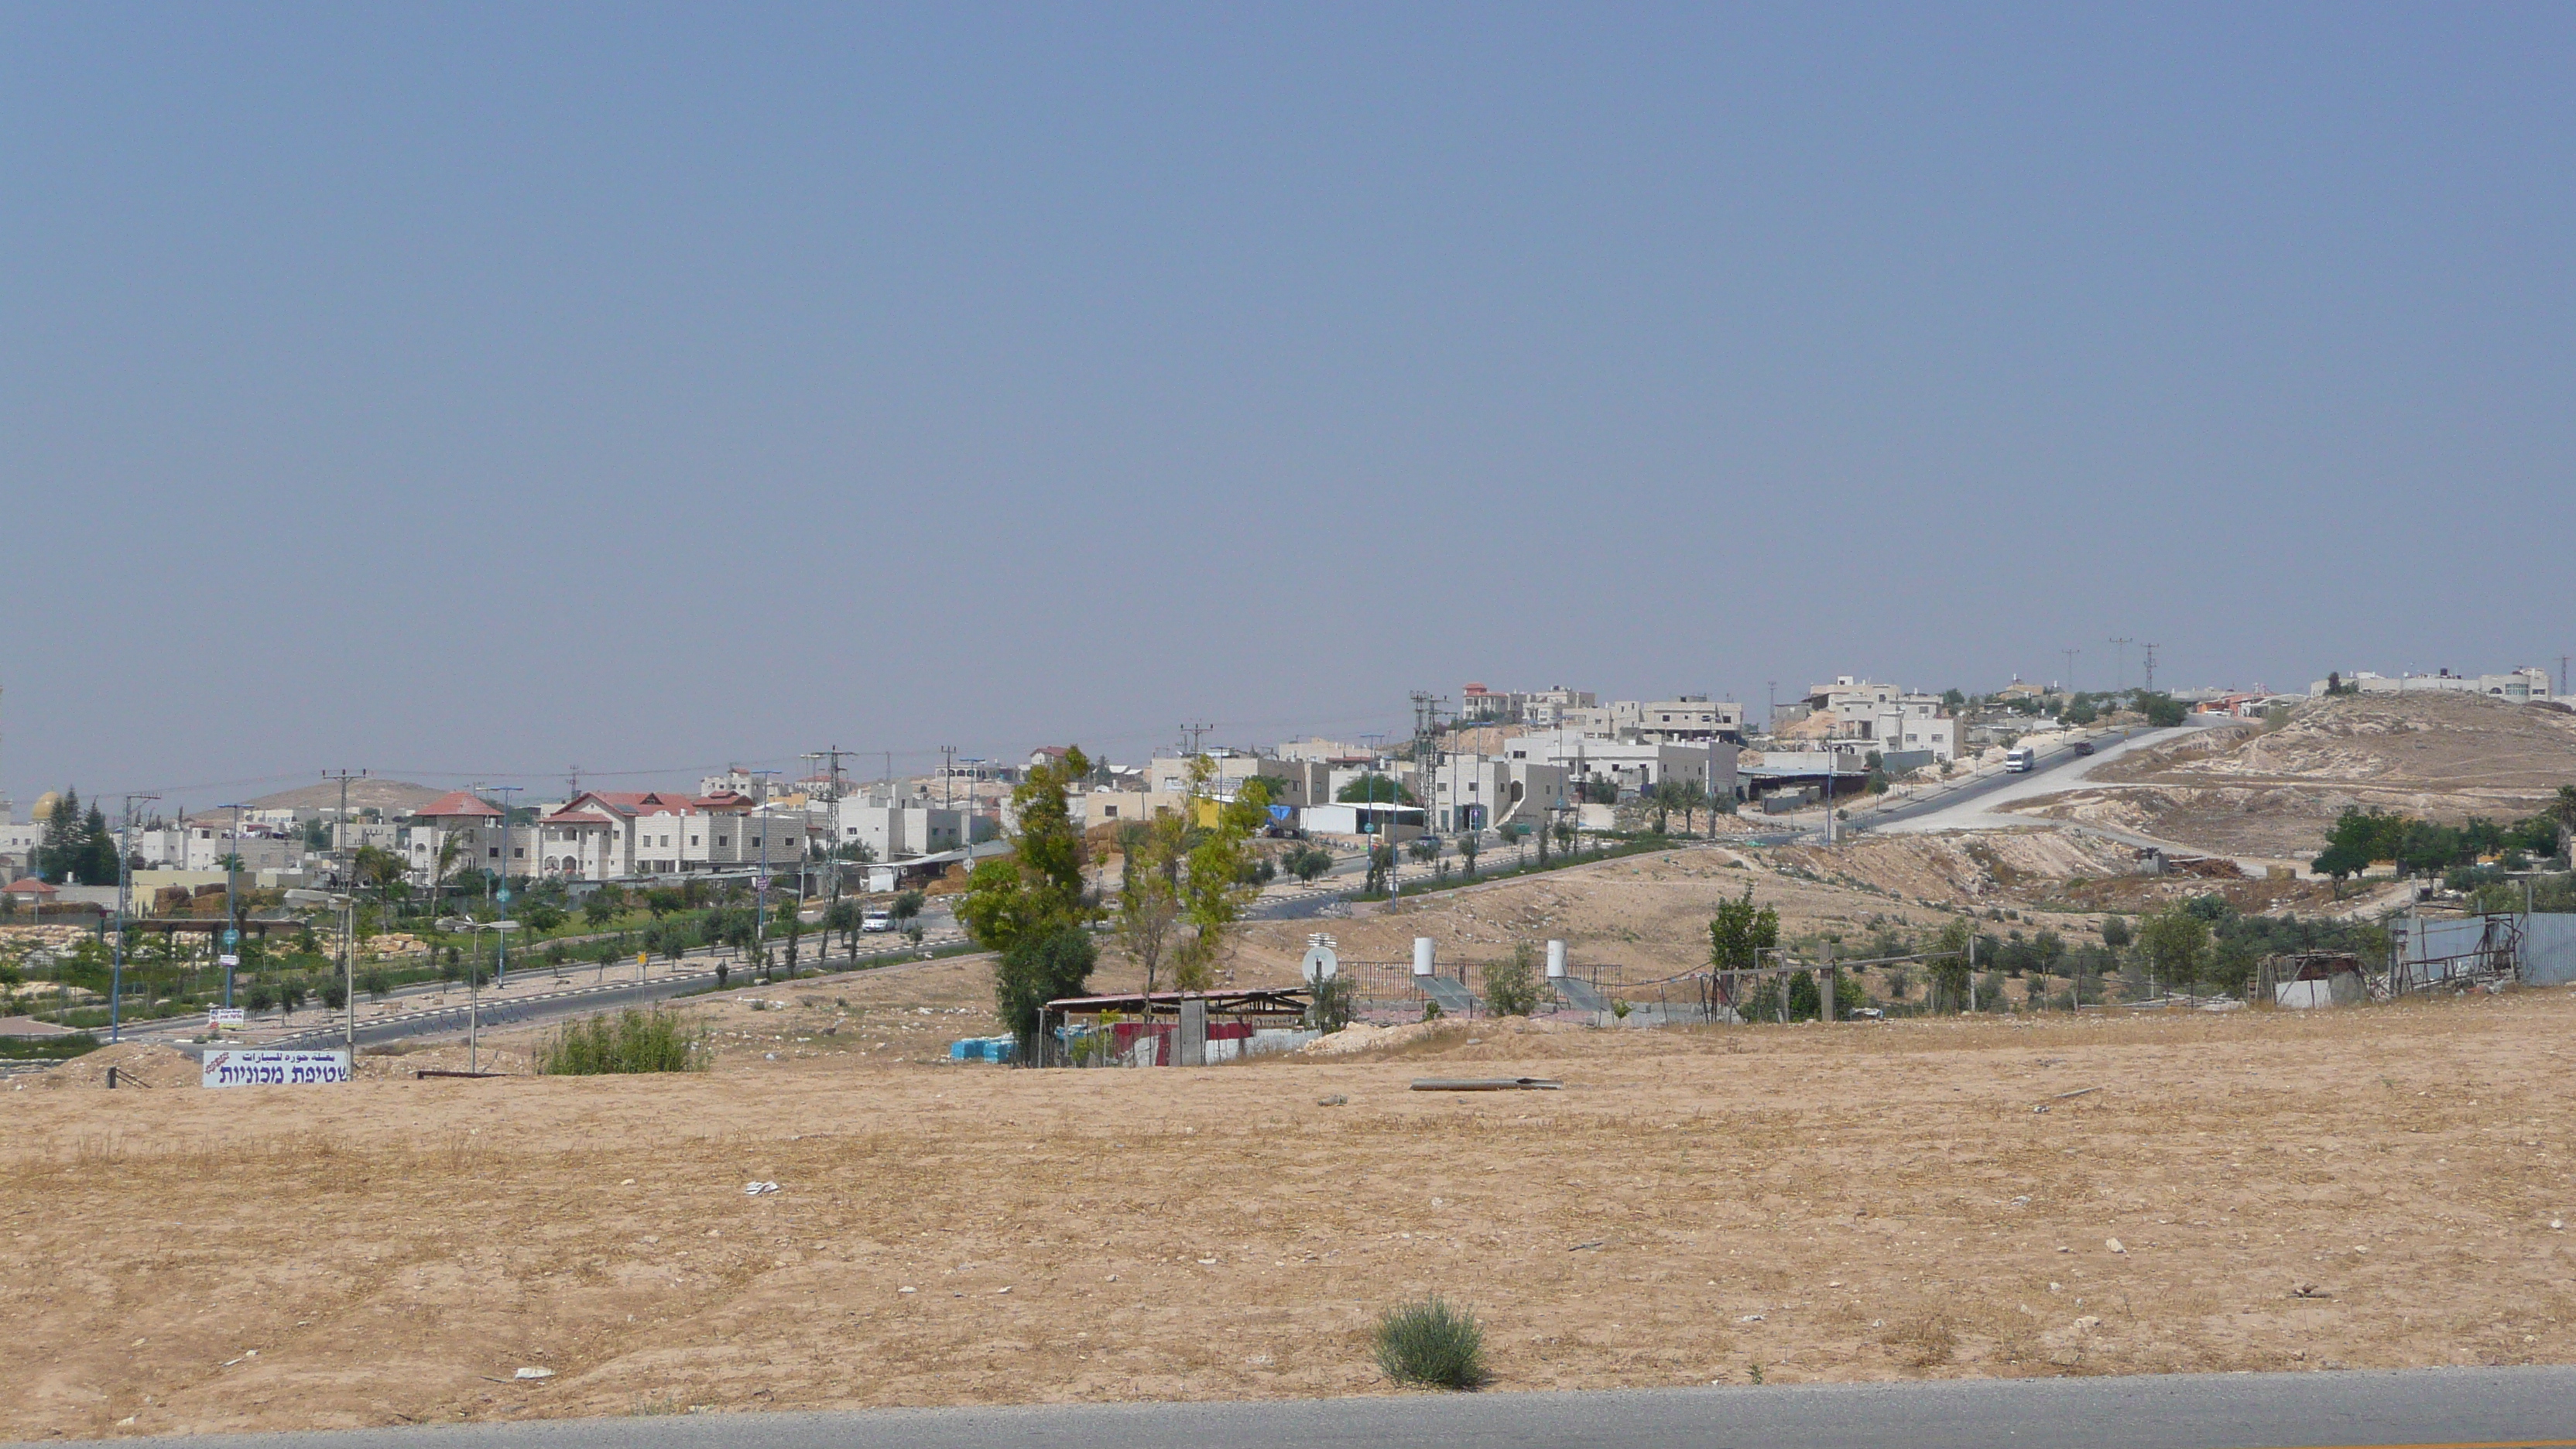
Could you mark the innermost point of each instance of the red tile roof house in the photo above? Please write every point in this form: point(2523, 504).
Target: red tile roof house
point(472, 823)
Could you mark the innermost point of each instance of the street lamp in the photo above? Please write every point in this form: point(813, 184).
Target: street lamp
point(347, 906)
point(473, 983)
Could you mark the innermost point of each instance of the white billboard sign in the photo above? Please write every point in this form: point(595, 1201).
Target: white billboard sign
point(227, 1016)
point(246, 1067)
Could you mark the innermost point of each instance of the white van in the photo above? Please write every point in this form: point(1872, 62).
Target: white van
point(875, 921)
point(2018, 760)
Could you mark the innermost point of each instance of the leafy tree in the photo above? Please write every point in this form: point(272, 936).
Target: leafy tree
point(1375, 789)
point(663, 901)
point(907, 904)
point(542, 916)
point(2176, 945)
point(597, 909)
point(334, 990)
point(1038, 888)
point(1950, 969)
point(2081, 710)
point(1039, 967)
point(1212, 897)
point(375, 868)
point(1149, 893)
point(2162, 710)
point(1307, 862)
point(1512, 987)
point(1739, 933)
point(259, 996)
point(1470, 845)
point(845, 918)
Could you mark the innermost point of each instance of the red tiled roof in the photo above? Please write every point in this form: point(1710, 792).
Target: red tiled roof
point(577, 817)
point(30, 887)
point(456, 803)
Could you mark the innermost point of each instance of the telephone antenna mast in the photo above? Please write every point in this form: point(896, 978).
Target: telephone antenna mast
point(2121, 679)
point(2150, 650)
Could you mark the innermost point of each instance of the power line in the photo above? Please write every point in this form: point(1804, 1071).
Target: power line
point(2150, 651)
point(2121, 679)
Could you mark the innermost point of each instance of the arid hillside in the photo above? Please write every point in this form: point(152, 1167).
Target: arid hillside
point(2251, 792)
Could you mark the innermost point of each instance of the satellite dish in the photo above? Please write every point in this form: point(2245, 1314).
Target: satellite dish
point(1320, 964)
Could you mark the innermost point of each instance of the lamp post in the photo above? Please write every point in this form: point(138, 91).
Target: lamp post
point(228, 957)
point(347, 906)
point(473, 984)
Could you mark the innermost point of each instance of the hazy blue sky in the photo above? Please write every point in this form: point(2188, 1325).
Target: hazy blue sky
point(472, 391)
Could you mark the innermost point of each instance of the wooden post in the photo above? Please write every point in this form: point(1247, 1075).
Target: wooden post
point(1826, 981)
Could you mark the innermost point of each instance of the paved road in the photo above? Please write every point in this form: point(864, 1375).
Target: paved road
point(2425, 1407)
point(1973, 806)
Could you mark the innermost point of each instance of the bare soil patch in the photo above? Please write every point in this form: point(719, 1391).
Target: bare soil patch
point(2372, 1187)
point(2243, 791)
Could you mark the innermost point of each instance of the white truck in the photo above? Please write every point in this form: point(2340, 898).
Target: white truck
point(2019, 759)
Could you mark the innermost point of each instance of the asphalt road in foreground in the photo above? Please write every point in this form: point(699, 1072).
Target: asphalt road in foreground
point(2420, 1407)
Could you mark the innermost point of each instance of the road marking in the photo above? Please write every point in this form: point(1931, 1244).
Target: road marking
point(2455, 1444)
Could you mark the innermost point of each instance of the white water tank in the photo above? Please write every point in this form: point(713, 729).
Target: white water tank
point(1422, 963)
point(1555, 960)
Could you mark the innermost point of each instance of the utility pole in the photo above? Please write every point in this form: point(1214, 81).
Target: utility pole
point(2122, 677)
point(1770, 704)
point(947, 769)
point(2069, 685)
point(340, 826)
point(2150, 651)
point(1195, 731)
point(572, 784)
point(230, 956)
point(760, 882)
point(2562, 676)
point(501, 939)
point(124, 889)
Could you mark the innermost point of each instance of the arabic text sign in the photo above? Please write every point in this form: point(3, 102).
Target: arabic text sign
point(232, 1016)
point(246, 1068)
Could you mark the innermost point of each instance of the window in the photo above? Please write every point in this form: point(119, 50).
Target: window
point(720, 840)
point(1109, 812)
point(495, 852)
point(693, 840)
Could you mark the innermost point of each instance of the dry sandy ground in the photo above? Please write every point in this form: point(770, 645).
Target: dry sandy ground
point(1848, 1202)
point(2246, 792)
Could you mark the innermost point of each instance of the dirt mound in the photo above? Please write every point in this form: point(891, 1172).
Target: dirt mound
point(1963, 868)
point(138, 1064)
point(2485, 750)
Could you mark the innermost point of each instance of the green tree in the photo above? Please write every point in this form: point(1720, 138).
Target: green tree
point(1375, 789)
point(598, 909)
point(1307, 862)
point(2176, 945)
point(1470, 845)
point(382, 871)
point(1039, 967)
point(1212, 892)
point(1038, 888)
point(1149, 891)
point(2115, 932)
point(1740, 932)
point(1512, 987)
point(844, 918)
point(1949, 968)
point(2162, 710)
point(906, 906)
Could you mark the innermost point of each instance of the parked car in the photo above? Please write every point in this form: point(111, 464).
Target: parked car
point(877, 921)
point(2083, 747)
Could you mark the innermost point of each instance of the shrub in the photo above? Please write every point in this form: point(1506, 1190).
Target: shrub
point(1430, 1342)
point(631, 1041)
point(1511, 987)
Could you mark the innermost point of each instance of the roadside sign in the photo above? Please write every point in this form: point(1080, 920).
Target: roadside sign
point(502, 895)
point(228, 962)
point(249, 1068)
point(219, 1017)
point(232, 937)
